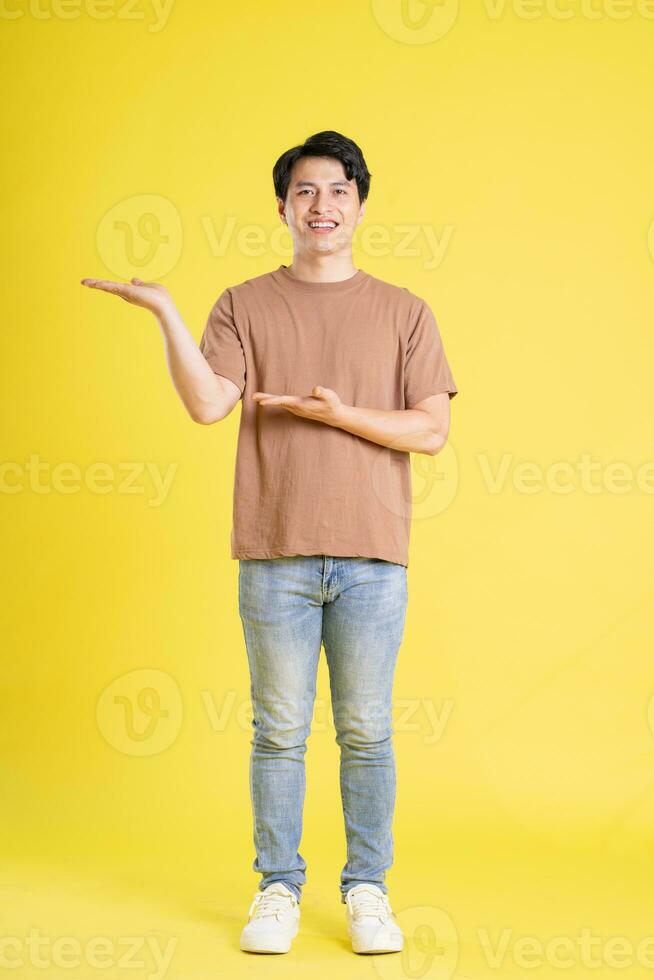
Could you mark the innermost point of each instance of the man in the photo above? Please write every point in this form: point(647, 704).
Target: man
point(342, 375)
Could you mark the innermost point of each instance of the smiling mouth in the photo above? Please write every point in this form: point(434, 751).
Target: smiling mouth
point(322, 227)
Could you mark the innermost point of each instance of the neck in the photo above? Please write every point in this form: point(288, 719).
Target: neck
point(322, 268)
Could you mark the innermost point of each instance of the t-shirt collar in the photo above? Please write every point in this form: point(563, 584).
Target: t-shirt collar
point(340, 285)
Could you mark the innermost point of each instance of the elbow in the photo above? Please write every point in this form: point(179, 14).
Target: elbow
point(435, 444)
point(205, 418)
point(208, 411)
point(433, 436)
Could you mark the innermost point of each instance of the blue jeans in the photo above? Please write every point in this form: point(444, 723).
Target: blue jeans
point(356, 608)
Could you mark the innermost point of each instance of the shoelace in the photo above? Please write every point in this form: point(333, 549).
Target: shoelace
point(370, 903)
point(270, 903)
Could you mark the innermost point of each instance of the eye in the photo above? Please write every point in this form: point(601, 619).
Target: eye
point(341, 190)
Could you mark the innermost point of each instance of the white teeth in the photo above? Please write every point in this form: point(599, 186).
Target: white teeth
point(322, 224)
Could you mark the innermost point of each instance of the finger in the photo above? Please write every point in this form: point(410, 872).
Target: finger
point(122, 289)
point(280, 400)
point(106, 284)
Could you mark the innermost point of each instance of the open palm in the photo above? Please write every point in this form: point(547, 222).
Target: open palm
point(150, 295)
point(323, 404)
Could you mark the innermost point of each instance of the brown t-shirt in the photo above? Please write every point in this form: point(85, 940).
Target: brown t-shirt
point(302, 487)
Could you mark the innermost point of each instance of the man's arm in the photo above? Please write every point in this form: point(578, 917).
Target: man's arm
point(421, 429)
point(207, 397)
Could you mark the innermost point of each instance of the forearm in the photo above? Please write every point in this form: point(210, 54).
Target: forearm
point(196, 384)
point(410, 430)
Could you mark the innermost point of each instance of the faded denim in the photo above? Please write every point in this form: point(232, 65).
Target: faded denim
point(356, 608)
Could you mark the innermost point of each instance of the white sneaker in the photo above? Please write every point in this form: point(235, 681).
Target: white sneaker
point(371, 922)
point(273, 920)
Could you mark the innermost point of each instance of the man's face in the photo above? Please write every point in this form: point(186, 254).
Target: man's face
point(318, 194)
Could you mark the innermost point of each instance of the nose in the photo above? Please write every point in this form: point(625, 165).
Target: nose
point(319, 202)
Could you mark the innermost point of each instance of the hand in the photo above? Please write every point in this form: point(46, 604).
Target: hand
point(323, 404)
point(150, 295)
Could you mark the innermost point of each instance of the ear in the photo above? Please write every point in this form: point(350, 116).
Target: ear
point(281, 210)
point(362, 211)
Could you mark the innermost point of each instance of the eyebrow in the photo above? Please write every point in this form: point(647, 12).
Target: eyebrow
point(311, 183)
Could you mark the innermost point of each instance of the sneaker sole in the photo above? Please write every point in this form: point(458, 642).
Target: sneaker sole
point(268, 947)
point(251, 949)
point(380, 948)
point(375, 949)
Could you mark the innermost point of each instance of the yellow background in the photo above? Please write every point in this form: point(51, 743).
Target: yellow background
point(525, 143)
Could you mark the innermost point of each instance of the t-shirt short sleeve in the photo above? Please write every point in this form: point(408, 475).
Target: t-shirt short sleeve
point(220, 342)
point(426, 369)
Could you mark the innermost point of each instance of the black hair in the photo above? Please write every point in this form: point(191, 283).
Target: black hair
point(325, 144)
